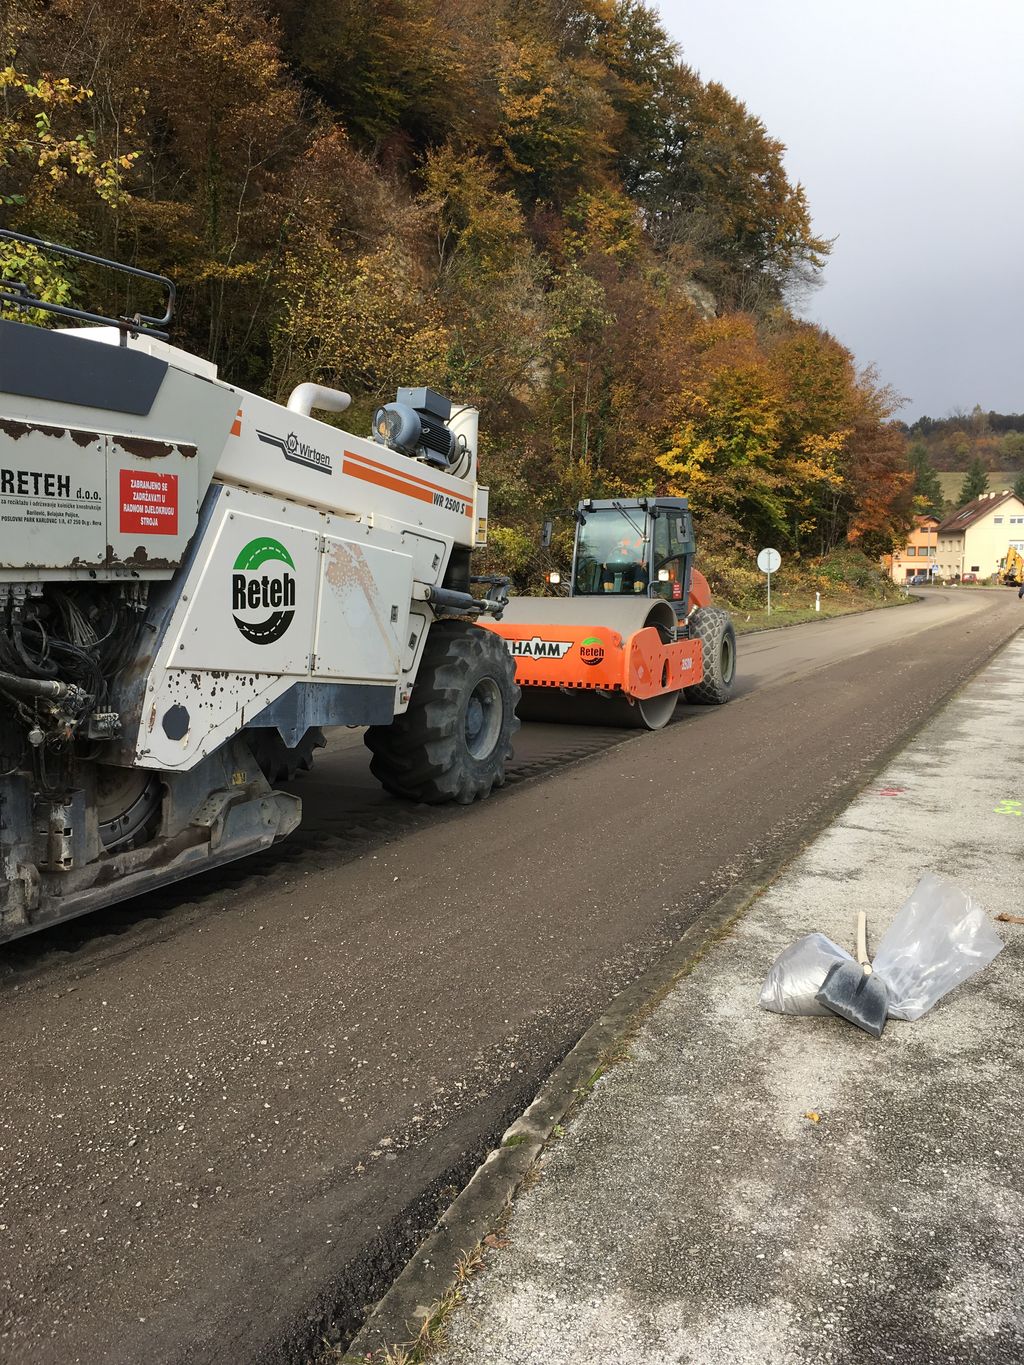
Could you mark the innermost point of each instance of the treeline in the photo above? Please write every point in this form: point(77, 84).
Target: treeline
point(536, 207)
point(974, 422)
point(988, 440)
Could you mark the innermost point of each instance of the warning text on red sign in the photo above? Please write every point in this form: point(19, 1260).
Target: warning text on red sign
point(149, 503)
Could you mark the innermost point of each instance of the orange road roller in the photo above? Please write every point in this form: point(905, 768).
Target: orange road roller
point(636, 629)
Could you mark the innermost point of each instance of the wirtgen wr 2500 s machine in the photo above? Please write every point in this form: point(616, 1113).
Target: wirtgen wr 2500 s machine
point(637, 630)
point(193, 581)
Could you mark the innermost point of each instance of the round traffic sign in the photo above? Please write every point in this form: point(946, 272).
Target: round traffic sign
point(768, 561)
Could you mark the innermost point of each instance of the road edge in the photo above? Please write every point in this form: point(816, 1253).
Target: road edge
point(402, 1318)
point(428, 1276)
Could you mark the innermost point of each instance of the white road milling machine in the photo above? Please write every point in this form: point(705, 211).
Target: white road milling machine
point(194, 582)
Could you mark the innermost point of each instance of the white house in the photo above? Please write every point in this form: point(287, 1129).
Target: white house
point(975, 539)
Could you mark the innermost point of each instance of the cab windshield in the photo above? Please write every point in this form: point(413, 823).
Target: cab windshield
point(612, 552)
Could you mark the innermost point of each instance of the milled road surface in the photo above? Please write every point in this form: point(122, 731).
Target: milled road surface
point(222, 1127)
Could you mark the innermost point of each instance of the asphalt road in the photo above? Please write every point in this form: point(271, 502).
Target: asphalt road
point(225, 1114)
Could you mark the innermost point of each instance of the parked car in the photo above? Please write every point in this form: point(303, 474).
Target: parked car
point(969, 578)
point(919, 578)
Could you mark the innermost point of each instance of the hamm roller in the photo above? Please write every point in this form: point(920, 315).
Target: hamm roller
point(636, 631)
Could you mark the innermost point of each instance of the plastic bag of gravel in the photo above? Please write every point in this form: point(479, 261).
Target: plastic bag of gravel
point(797, 975)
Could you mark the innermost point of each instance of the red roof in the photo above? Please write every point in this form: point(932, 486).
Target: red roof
point(974, 511)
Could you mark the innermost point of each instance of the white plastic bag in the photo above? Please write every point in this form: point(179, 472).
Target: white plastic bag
point(797, 973)
point(939, 938)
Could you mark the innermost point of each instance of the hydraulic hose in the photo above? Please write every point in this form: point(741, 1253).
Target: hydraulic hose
point(40, 687)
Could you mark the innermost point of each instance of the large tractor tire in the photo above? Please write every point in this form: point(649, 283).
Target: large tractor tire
point(452, 742)
point(712, 627)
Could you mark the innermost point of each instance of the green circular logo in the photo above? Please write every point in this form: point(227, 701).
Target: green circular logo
point(263, 591)
point(592, 651)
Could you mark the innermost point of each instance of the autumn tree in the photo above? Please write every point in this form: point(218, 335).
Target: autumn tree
point(488, 279)
point(538, 208)
point(881, 487)
point(54, 169)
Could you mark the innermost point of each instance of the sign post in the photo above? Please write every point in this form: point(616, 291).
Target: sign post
point(768, 561)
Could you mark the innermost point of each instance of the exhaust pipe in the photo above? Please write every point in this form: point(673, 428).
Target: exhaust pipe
point(305, 397)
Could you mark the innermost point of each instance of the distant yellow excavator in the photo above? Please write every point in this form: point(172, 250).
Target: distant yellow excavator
point(1012, 572)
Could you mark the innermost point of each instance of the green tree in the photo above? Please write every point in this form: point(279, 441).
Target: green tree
point(975, 481)
point(928, 497)
point(1011, 448)
point(1018, 487)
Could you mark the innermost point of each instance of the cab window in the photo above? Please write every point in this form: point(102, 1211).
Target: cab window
point(612, 552)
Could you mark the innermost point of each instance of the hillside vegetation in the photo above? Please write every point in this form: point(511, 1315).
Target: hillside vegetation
point(539, 208)
point(957, 458)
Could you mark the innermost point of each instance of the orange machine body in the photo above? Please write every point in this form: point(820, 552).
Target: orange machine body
point(639, 664)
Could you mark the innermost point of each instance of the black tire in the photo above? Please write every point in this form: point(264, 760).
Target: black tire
point(277, 762)
point(452, 742)
point(712, 627)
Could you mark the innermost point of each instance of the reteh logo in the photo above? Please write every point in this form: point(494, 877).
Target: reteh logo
point(255, 594)
point(592, 651)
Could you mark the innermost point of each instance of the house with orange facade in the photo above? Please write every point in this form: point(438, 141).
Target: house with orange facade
point(918, 555)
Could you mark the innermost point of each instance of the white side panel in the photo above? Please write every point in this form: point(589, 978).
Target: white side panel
point(187, 410)
point(152, 501)
point(429, 554)
point(253, 607)
point(53, 506)
point(269, 579)
point(364, 612)
point(86, 502)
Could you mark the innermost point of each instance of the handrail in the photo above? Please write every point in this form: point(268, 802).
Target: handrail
point(18, 293)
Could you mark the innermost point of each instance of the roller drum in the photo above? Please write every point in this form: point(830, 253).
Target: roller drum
point(584, 706)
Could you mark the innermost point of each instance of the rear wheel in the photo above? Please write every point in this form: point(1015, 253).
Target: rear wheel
point(452, 742)
point(712, 627)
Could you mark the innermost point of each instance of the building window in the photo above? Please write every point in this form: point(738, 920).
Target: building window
point(910, 551)
point(997, 521)
point(975, 568)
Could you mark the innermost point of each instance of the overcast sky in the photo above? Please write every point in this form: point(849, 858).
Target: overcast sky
point(904, 121)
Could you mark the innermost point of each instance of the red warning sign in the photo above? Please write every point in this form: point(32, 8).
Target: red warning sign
point(149, 503)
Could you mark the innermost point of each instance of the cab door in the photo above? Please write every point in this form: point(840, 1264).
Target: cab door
point(673, 547)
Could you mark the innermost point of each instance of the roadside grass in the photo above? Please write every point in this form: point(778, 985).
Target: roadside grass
point(951, 481)
point(846, 581)
point(788, 612)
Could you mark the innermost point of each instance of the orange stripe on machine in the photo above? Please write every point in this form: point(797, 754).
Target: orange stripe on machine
point(383, 476)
